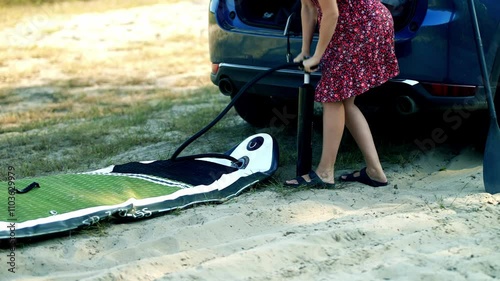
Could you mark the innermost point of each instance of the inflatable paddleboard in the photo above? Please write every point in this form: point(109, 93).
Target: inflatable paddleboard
point(137, 190)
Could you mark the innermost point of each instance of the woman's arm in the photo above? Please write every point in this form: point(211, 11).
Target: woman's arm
point(328, 25)
point(309, 18)
point(327, 28)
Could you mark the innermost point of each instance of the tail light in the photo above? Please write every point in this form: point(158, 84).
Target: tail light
point(215, 68)
point(444, 90)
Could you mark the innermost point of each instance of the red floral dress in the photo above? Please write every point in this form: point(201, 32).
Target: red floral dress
point(360, 54)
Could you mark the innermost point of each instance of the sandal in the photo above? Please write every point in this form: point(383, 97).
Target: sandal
point(362, 178)
point(315, 182)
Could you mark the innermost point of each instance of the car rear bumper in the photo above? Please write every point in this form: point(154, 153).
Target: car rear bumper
point(282, 83)
point(404, 94)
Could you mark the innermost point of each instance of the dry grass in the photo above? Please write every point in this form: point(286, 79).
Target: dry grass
point(12, 12)
point(39, 47)
point(123, 67)
point(116, 70)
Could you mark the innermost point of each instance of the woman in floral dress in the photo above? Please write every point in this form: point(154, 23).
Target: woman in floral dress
point(355, 52)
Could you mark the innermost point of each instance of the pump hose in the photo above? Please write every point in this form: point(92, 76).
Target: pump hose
point(225, 111)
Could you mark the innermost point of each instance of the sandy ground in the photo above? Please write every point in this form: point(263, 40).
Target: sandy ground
point(434, 221)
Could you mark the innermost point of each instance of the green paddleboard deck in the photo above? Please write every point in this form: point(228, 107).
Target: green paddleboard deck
point(61, 194)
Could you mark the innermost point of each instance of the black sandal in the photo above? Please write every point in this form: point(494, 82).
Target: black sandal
point(362, 178)
point(316, 182)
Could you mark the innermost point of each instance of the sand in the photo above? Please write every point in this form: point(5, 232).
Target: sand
point(433, 222)
point(427, 225)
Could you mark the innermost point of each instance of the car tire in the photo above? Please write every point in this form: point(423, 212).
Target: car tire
point(266, 111)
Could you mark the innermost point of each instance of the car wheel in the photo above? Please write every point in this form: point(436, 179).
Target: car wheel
point(265, 111)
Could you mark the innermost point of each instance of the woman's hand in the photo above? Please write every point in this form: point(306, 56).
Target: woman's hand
point(301, 57)
point(311, 64)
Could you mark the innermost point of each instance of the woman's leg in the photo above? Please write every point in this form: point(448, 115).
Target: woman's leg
point(356, 122)
point(333, 128)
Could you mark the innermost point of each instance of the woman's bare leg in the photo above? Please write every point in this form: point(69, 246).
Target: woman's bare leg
point(356, 122)
point(333, 128)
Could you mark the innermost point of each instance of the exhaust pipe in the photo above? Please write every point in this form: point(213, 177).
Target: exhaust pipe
point(405, 105)
point(226, 87)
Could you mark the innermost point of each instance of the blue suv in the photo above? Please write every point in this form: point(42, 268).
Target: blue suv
point(435, 46)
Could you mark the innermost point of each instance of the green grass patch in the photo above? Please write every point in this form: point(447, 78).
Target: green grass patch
point(89, 139)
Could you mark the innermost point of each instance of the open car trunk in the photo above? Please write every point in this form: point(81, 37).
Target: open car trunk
point(274, 13)
point(268, 13)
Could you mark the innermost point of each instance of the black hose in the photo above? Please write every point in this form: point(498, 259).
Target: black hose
point(229, 106)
